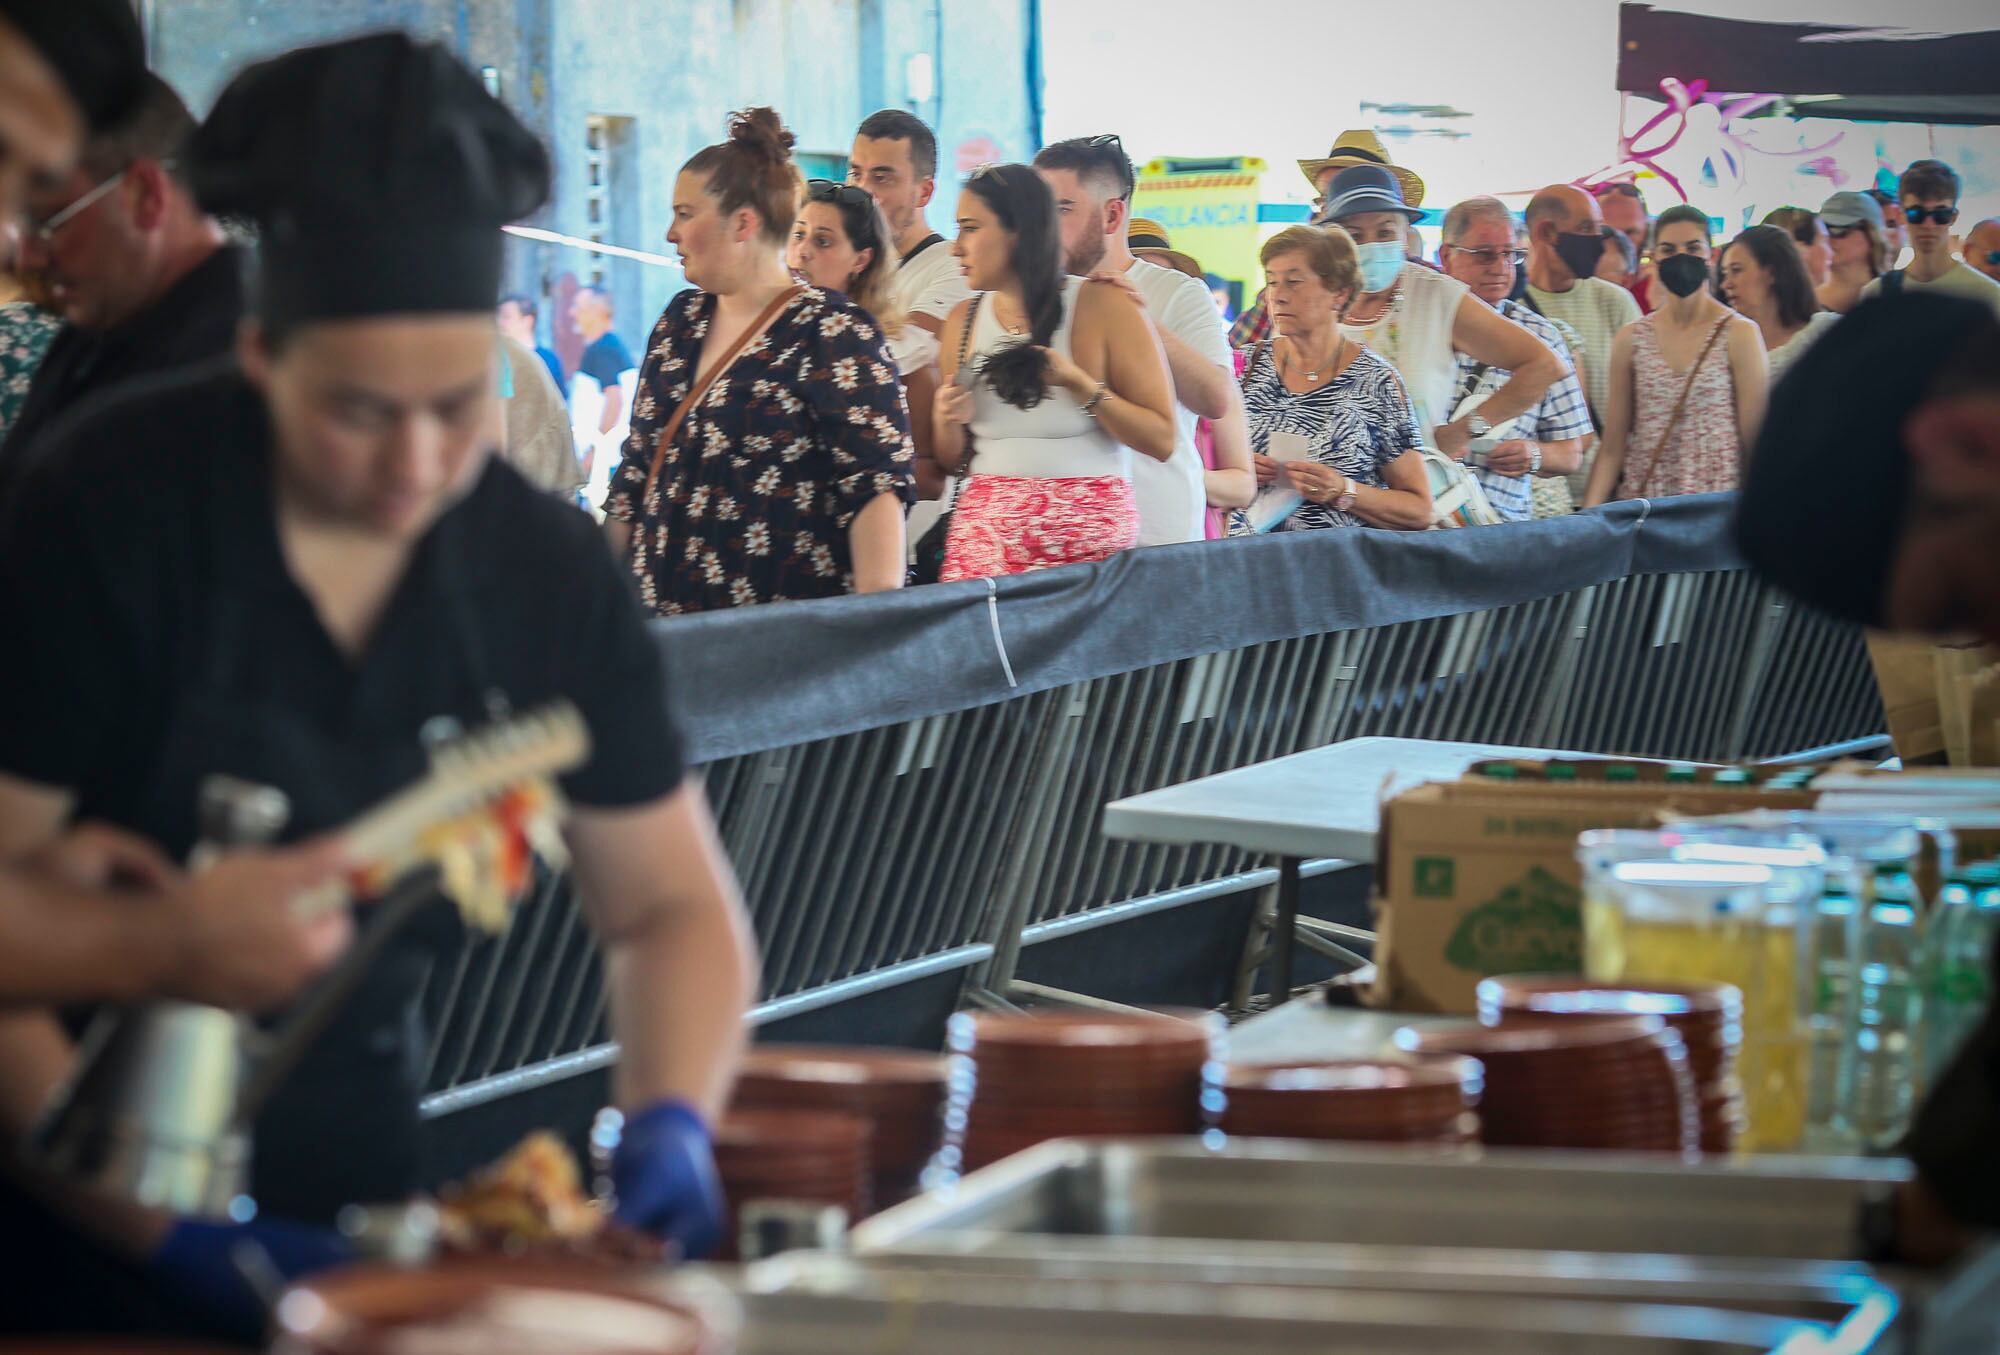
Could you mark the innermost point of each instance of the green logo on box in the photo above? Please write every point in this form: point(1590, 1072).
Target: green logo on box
point(1532, 926)
point(1434, 877)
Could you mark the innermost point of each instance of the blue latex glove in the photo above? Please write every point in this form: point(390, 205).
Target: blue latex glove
point(663, 1176)
point(198, 1262)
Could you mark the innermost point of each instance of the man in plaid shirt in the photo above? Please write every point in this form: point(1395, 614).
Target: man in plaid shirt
point(1549, 439)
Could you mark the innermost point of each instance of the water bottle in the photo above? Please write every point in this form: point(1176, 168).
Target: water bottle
point(1958, 973)
point(1832, 980)
point(1879, 1079)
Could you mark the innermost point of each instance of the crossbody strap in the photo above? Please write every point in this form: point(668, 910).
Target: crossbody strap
point(700, 387)
point(1687, 389)
point(965, 347)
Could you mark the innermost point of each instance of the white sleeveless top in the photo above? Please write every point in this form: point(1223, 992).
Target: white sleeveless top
point(1053, 441)
point(1414, 336)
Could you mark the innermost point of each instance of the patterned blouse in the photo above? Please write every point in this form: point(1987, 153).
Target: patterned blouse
point(1356, 424)
point(767, 473)
point(25, 332)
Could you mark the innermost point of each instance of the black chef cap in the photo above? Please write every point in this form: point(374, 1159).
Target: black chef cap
point(379, 172)
point(1828, 487)
point(95, 48)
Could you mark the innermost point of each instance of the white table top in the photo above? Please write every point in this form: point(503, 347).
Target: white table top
point(1325, 802)
point(1308, 1030)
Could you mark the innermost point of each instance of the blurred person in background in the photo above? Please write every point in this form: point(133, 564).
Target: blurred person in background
point(25, 330)
point(1419, 321)
point(786, 475)
point(1620, 264)
point(1624, 209)
point(600, 393)
point(1092, 180)
point(1810, 235)
point(1548, 440)
point(841, 243)
point(1763, 277)
point(142, 277)
point(1055, 382)
point(1982, 247)
point(1895, 230)
point(519, 314)
point(895, 158)
point(1341, 409)
point(1860, 250)
point(1687, 383)
point(1929, 191)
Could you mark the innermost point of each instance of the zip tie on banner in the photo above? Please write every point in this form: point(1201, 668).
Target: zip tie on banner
point(999, 641)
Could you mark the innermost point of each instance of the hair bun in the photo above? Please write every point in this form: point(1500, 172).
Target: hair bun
point(762, 130)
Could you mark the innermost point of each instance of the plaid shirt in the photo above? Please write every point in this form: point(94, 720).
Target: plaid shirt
point(1252, 327)
point(1562, 414)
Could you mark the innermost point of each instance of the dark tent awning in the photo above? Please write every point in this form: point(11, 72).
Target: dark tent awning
point(1826, 70)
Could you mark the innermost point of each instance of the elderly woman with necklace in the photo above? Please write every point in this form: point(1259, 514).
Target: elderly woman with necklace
point(1326, 415)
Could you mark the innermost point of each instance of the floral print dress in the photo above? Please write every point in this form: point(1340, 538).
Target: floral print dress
point(767, 473)
point(25, 332)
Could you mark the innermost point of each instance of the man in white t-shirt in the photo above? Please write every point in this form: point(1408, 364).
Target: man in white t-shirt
point(895, 159)
point(1092, 180)
point(1928, 193)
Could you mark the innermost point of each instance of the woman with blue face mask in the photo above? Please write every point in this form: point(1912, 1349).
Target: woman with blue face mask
point(1419, 320)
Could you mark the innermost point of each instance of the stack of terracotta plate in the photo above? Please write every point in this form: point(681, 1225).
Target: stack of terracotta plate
point(1709, 1017)
point(1614, 1082)
point(813, 1157)
point(1019, 1079)
point(1420, 1102)
point(899, 1093)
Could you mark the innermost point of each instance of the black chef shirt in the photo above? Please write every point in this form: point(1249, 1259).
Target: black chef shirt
point(155, 635)
point(195, 321)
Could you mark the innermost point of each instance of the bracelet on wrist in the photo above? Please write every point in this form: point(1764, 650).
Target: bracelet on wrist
point(1096, 398)
point(1534, 458)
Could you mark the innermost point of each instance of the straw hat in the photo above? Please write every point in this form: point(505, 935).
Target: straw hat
point(1148, 240)
point(1362, 147)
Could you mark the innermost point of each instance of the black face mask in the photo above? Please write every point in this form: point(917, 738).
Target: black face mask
point(1683, 274)
point(1580, 253)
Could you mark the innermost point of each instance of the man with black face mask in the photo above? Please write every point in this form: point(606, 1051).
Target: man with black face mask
point(1565, 245)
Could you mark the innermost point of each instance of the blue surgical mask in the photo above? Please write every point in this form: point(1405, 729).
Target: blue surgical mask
point(1380, 263)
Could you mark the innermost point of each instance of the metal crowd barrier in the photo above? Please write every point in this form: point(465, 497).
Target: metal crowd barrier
point(950, 823)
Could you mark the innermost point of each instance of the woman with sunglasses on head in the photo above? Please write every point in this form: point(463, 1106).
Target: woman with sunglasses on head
point(841, 242)
point(1860, 249)
point(770, 453)
point(1054, 383)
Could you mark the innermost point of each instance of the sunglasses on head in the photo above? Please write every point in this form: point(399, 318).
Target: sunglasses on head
point(832, 190)
point(1917, 216)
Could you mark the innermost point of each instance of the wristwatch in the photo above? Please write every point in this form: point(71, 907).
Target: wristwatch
point(1534, 458)
point(1476, 425)
point(1345, 499)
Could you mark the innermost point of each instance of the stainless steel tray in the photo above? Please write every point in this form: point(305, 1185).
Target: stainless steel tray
point(816, 1305)
point(1801, 1209)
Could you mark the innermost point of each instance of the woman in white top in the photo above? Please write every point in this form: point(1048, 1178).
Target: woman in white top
point(1419, 320)
point(1060, 379)
point(1764, 278)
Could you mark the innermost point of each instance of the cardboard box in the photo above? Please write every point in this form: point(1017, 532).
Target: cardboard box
point(1476, 878)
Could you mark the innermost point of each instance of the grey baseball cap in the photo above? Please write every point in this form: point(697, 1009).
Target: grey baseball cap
point(1851, 209)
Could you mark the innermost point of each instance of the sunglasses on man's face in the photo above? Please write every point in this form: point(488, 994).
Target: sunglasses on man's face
point(1917, 216)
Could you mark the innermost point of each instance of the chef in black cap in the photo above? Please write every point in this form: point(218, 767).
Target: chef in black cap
point(1874, 494)
point(67, 68)
point(286, 568)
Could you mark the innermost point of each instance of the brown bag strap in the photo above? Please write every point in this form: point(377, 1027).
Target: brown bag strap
point(1680, 405)
point(700, 387)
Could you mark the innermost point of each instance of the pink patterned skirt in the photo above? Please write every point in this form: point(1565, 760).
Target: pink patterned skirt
point(1003, 524)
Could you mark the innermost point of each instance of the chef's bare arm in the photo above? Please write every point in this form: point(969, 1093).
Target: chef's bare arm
point(679, 953)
